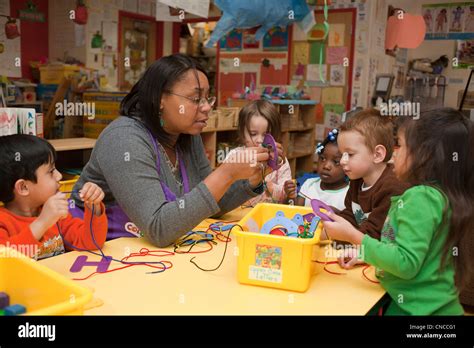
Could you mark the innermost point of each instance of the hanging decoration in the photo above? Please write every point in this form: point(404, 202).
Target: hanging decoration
point(31, 13)
point(81, 13)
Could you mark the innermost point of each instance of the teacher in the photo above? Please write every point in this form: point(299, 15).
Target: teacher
point(151, 162)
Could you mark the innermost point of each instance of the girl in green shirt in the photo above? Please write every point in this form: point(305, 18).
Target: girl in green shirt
point(423, 241)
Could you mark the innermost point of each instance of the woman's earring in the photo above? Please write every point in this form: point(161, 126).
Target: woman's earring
point(160, 115)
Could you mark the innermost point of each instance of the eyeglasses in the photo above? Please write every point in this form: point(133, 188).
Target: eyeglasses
point(199, 101)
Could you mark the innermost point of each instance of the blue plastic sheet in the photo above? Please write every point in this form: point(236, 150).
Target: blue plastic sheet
point(244, 14)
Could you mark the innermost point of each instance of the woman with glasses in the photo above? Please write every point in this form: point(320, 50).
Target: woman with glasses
point(151, 161)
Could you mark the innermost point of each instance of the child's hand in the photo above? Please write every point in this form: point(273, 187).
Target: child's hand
point(290, 189)
point(349, 258)
point(55, 208)
point(341, 229)
point(92, 194)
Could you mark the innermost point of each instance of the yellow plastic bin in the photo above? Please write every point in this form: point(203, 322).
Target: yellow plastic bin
point(54, 73)
point(41, 290)
point(68, 184)
point(275, 261)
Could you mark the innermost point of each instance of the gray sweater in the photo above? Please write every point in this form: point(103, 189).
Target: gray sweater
point(123, 164)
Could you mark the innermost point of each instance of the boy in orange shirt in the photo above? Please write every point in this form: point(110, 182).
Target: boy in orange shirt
point(35, 219)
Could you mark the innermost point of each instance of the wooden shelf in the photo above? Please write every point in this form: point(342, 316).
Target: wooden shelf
point(219, 130)
point(300, 154)
point(304, 110)
point(73, 144)
point(298, 129)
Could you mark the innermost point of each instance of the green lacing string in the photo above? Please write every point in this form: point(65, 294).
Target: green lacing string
point(321, 47)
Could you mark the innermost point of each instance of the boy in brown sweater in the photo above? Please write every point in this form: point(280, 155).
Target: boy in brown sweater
point(366, 142)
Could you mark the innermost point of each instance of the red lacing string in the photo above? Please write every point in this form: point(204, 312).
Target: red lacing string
point(141, 253)
point(366, 267)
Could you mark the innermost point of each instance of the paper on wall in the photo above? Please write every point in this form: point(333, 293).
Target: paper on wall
point(313, 74)
point(332, 95)
point(336, 34)
point(130, 5)
point(300, 53)
point(198, 7)
point(144, 7)
point(336, 55)
point(337, 75)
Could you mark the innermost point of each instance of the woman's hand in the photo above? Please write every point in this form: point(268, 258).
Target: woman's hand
point(246, 164)
point(341, 229)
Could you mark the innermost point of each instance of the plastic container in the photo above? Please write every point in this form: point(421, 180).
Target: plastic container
point(41, 290)
point(276, 261)
point(68, 184)
point(46, 92)
point(54, 73)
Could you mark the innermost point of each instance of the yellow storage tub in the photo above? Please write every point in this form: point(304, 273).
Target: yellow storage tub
point(53, 74)
point(41, 290)
point(276, 261)
point(68, 184)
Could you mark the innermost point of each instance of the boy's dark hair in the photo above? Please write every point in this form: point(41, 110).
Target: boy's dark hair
point(441, 148)
point(263, 108)
point(20, 156)
point(375, 128)
point(144, 99)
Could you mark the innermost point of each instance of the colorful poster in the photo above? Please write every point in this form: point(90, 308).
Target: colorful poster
point(317, 32)
point(249, 38)
point(232, 41)
point(317, 53)
point(336, 34)
point(464, 54)
point(276, 39)
point(314, 72)
point(332, 95)
point(336, 55)
point(300, 53)
point(337, 76)
point(333, 115)
point(449, 21)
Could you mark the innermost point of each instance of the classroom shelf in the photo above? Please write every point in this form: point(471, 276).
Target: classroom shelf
point(73, 144)
point(298, 123)
point(300, 154)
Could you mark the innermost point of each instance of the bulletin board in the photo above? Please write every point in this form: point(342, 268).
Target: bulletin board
point(244, 62)
point(325, 66)
point(10, 49)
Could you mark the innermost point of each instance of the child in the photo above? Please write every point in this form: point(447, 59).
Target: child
point(331, 186)
point(36, 213)
point(428, 224)
point(366, 143)
point(256, 119)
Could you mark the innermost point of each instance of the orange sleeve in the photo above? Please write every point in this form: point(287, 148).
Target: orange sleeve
point(18, 235)
point(78, 233)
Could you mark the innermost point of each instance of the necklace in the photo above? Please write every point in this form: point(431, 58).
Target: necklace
point(174, 167)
